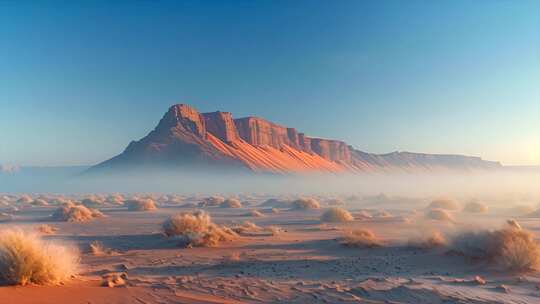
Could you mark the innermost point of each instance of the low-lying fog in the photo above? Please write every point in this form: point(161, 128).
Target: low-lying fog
point(507, 186)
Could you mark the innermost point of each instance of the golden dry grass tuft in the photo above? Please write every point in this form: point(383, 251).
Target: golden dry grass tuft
point(361, 238)
point(336, 215)
point(509, 248)
point(197, 229)
point(25, 258)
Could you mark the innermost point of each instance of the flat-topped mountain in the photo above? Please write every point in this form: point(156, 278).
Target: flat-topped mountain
point(185, 138)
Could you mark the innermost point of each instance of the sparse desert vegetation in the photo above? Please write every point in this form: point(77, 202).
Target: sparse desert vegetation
point(269, 152)
point(144, 204)
point(231, 203)
point(254, 213)
point(439, 215)
point(92, 202)
point(248, 243)
point(25, 258)
point(75, 213)
point(250, 228)
point(24, 199)
point(40, 202)
point(46, 229)
point(510, 248)
point(305, 204)
point(115, 199)
point(197, 229)
point(211, 201)
point(336, 215)
point(247, 227)
point(434, 239)
point(361, 238)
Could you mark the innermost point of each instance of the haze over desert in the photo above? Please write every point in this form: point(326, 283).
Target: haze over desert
point(199, 152)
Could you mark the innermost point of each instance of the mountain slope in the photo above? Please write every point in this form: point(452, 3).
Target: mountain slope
point(185, 138)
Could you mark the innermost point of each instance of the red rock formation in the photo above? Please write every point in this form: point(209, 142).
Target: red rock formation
point(184, 137)
point(292, 134)
point(221, 124)
point(333, 150)
point(186, 116)
point(259, 132)
point(305, 142)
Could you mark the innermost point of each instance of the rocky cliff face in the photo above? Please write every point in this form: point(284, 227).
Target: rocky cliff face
point(185, 137)
point(221, 125)
point(257, 131)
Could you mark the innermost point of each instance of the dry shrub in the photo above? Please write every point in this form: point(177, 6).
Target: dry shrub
point(361, 238)
point(336, 215)
point(383, 214)
point(475, 207)
point(254, 213)
point(92, 202)
point(143, 204)
point(197, 229)
point(187, 224)
point(75, 213)
point(46, 229)
point(433, 240)
point(305, 204)
point(24, 199)
point(25, 258)
point(211, 201)
point(509, 248)
point(231, 203)
point(58, 201)
point(250, 228)
point(276, 203)
point(444, 203)
point(115, 199)
point(439, 215)
point(363, 215)
point(40, 202)
point(247, 228)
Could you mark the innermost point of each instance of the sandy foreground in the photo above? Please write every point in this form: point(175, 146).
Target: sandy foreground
point(306, 263)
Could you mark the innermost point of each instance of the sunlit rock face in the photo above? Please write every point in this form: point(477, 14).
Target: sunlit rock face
point(186, 138)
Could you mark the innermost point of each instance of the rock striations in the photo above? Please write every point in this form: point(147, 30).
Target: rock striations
point(186, 138)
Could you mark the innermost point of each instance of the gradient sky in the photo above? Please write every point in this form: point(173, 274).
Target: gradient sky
point(79, 81)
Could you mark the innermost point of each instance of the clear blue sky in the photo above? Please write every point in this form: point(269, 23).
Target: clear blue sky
point(78, 81)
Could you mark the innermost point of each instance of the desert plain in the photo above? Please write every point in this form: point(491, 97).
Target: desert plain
point(259, 248)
